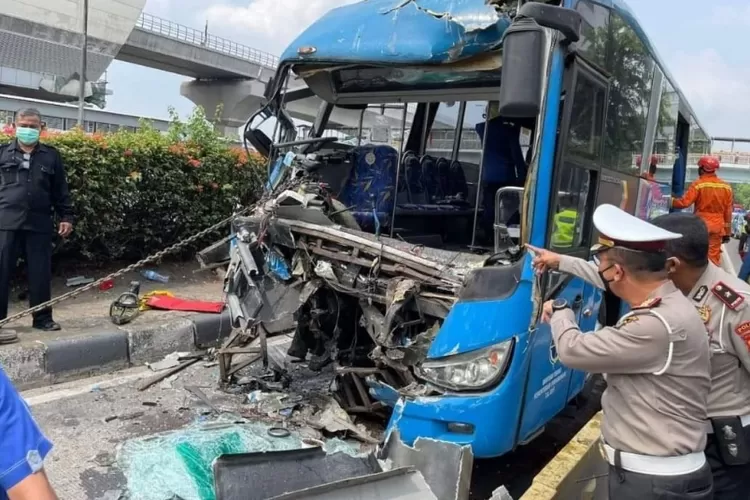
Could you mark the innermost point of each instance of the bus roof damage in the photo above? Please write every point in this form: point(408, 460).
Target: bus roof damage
point(382, 31)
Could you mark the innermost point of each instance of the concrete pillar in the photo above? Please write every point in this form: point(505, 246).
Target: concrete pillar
point(239, 99)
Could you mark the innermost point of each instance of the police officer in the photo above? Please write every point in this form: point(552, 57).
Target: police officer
point(23, 448)
point(32, 184)
point(655, 360)
point(721, 300)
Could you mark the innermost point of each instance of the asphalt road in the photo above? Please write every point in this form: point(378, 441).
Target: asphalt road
point(79, 418)
point(89, 420)
point(732, 248)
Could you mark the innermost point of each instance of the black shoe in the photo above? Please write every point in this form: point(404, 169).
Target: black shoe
point(48, 326)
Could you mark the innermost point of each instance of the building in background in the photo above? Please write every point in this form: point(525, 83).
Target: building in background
point(61, 117)
point(41, 41)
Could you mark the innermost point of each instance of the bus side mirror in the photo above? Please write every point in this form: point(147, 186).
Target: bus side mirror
point(523, 56)
point(522, 70)
point(260, 141)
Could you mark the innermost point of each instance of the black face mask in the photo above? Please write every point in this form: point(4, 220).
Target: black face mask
point(605, 280)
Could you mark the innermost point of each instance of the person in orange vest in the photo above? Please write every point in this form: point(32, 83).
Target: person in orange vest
point(712, 199)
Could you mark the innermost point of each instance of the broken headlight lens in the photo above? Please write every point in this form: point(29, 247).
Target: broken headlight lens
point(471, 371)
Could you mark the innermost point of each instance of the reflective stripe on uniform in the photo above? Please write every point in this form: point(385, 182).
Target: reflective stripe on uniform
point(713, 185)
point(656, 466)
point(670, 353)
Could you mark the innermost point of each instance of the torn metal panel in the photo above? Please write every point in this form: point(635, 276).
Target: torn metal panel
point(445, 466)
point(264, 475)
point(398, 484)
point(382, 31)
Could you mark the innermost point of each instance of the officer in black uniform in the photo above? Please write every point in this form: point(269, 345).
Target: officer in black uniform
point(32, 185)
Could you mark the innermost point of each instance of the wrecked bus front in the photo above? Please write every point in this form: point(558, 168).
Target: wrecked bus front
point(397, 259)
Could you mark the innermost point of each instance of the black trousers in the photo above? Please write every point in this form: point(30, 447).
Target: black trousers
point(626, 485)
point(731, 482)
point(37, 249)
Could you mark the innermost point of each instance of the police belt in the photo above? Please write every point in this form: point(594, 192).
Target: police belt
point(745, 419)
point(654, 466)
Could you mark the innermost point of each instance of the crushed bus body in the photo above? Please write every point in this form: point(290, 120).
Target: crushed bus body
point(392, 248)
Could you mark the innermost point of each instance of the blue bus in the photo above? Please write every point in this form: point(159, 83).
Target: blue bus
point(398, 259)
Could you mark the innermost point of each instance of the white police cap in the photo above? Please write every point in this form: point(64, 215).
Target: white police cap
point(620, 229)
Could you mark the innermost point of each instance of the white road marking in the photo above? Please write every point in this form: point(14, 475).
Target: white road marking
point(43, 395)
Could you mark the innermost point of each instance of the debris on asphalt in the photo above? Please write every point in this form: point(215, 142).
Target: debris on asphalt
point(78, 281)
point(170, 361)
point(165, 374)
point(501, 493)
point(150, 403)
point(110, 418)
point(198, 393)
point(131, 416)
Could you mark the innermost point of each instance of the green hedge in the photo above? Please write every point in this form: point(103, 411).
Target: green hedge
point(135, 193)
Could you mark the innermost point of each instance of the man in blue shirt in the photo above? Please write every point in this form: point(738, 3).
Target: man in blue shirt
point(504, 164)
point(23, 448)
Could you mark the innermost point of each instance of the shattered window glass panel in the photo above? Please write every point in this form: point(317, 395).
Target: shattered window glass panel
point(179, 464)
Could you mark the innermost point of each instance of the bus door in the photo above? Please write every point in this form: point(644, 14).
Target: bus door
point(550, 385)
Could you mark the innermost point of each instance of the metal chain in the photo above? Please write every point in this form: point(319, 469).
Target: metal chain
point(151, 258)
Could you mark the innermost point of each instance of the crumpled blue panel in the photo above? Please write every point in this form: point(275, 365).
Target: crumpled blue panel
point(402, 31)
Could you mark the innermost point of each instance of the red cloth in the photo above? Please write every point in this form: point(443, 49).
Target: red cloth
point(177, 304)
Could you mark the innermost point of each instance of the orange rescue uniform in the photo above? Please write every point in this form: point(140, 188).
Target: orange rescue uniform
point(713, 201)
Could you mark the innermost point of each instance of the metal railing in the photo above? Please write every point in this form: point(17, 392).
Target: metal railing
point(692, 159)
point(175, 31)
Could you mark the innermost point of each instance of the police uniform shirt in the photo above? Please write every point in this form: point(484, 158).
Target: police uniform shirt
point(654, 404)
point(31, 185)
point(23, 446)
point(656, 358)
point(721, 300)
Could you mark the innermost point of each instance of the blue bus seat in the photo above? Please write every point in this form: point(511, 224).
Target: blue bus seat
point(413, 174)
point(370, 187)
point(458, 183)
point(430, 180)
point(443, 173)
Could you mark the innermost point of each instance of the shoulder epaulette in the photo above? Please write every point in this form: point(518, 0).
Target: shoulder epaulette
point(648, 304)
point(727, 295)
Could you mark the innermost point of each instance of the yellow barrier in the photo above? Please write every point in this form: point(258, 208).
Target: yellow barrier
point(577, 472)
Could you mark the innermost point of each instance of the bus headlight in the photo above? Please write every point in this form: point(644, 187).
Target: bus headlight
point(474, 370)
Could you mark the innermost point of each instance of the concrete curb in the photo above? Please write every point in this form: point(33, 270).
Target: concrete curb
point(577, 471)
point(36, 364)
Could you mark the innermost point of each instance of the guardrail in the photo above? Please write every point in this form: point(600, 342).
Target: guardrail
point(175, 31)
point(692, 159)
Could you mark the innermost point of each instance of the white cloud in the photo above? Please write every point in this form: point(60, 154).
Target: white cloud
point(269, 25)
point(719, 92)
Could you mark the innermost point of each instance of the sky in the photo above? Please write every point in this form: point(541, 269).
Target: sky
point(702, 42)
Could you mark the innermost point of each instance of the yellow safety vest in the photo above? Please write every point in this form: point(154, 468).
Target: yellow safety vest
point(564, 229)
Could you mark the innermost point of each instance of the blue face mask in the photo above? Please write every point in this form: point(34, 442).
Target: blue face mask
point(27, 136)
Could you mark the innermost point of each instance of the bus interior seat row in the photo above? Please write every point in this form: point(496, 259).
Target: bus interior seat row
point(435, 197)
point(427, 187)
